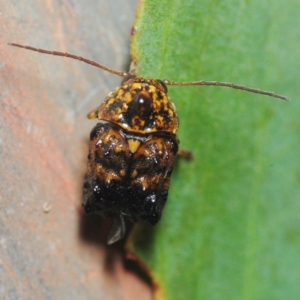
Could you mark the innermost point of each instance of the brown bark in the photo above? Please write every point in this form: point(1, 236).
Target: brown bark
point(43, 144)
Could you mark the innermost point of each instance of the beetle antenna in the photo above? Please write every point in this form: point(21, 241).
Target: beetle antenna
point(228, 85)
point(66, 54)
point(167, 82)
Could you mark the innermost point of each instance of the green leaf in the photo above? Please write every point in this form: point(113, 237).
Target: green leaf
point(231, 226)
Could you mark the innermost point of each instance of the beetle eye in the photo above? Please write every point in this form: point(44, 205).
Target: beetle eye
point(162, 86)
point(127, 78)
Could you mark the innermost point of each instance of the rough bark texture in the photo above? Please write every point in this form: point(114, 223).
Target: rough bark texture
point(43, 144)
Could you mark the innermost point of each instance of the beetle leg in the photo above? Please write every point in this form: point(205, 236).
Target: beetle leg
point(117, 231)
point(188, 155)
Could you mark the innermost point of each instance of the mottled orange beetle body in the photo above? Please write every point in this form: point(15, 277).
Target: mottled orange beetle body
point(131, 154)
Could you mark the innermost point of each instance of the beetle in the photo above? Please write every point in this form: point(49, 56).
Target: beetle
point(133, 150)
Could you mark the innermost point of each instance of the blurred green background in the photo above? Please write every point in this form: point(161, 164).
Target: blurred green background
point(231, 227)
